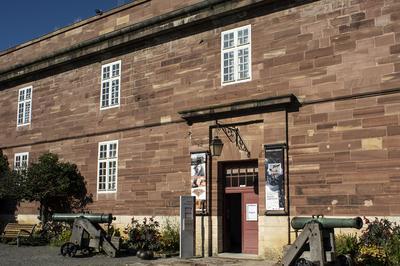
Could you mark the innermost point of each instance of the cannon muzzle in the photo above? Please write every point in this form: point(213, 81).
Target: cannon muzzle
point(300, 222)
point(93, 217)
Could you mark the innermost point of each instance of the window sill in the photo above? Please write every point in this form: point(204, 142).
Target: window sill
point(23, 125)
point(223, 84)
point(106, 192)
point(109, 107)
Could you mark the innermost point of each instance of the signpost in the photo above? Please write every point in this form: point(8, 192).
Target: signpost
point(188, 226)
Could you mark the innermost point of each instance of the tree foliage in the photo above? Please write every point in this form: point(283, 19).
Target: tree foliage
point(57, 186)
point(11, 187)
point(4, 166)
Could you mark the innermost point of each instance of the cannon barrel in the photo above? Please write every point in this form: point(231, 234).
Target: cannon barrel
point(93, 217)
point(300, 222)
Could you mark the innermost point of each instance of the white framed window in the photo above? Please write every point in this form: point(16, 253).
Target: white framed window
point(110, 85)
point(236, 55)
point(21, 161)
point(107, 172)
point(24, 106)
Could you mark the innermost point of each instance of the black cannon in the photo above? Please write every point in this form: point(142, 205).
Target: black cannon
point(300, 222)
point(100, 218)
point(87, 234)
point(316, 243)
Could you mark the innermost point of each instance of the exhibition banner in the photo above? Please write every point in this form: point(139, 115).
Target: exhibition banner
point(274, 178)
point(199, 181)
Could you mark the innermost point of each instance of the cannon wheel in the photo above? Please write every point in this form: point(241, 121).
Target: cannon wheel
point(344, 260)
point(86, 251)
point(69, 249)
point(303, 262)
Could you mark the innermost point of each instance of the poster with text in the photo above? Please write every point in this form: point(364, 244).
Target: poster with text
point(199, 180)
point(274, 179)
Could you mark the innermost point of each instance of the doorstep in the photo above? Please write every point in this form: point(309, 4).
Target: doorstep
point(240, 256)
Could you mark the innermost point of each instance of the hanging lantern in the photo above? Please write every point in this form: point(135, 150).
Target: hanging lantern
point(216, 146)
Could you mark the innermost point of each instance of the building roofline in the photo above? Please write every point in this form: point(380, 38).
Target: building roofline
point(72, 26)
point(201, 12)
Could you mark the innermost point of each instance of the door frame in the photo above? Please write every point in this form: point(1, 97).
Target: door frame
point(231, 190)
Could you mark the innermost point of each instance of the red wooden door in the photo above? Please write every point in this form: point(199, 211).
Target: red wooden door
point(249, 222)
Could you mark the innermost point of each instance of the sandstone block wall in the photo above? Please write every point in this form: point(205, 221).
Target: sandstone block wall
point(343, 142)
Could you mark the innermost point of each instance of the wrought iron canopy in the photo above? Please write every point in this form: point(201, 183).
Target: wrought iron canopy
point(233, 134)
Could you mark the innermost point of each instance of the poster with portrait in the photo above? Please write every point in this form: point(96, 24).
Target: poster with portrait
point(274, 178)
point(198, 171)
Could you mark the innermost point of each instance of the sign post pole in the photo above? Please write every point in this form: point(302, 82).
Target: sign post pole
point(187, 226)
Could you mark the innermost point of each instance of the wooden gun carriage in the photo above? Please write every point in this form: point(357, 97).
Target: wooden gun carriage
point(87, 234)
point(316, 243)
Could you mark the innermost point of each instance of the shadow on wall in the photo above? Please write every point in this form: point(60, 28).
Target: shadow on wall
point(7, 212)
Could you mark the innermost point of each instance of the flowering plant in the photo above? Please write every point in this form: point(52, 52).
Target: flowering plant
point(145, 235)
point(372, 255)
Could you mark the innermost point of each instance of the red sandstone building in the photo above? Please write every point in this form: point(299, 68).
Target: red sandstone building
point(308, 92)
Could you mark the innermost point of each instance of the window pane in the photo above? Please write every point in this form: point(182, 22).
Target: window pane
point(243, 36)
point(24, 159)
point(112, 170)
point(250, 181)
point(110, 86)
point(228, 40)
point(114, 92)
point(108, 166)
point(243, 63)
point(242, 180)
point(21, 113)
point(105, 93)
point(113, 150)
point(228, 66)
point(115, 70)
point(235, 182)
point(17, 162)
point(228, 182)
point(106, 72)
point(28, 94)
point(103, 151)
point(21, 95)
point(102, 175)
point(27, 116)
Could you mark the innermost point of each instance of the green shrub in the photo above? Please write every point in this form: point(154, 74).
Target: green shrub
point(377, 232)
point(393, 247)
point(380, 243)
point(54, 233)
point(347, 244)
point(170, 237)
point(145, 235)
point(63, 237)
point(372, 255)
point(112, 231)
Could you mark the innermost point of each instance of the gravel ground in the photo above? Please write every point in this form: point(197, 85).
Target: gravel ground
point(11, 255)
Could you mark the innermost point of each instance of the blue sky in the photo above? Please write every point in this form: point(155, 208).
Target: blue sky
point(24, 20)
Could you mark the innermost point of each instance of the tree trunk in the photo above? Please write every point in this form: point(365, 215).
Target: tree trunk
point(44, 214)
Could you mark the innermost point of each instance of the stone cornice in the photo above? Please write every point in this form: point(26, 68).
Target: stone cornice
point(285, 102)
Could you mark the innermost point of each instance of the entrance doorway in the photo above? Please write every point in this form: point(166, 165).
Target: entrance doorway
point(240, 206)
point(233, 216)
